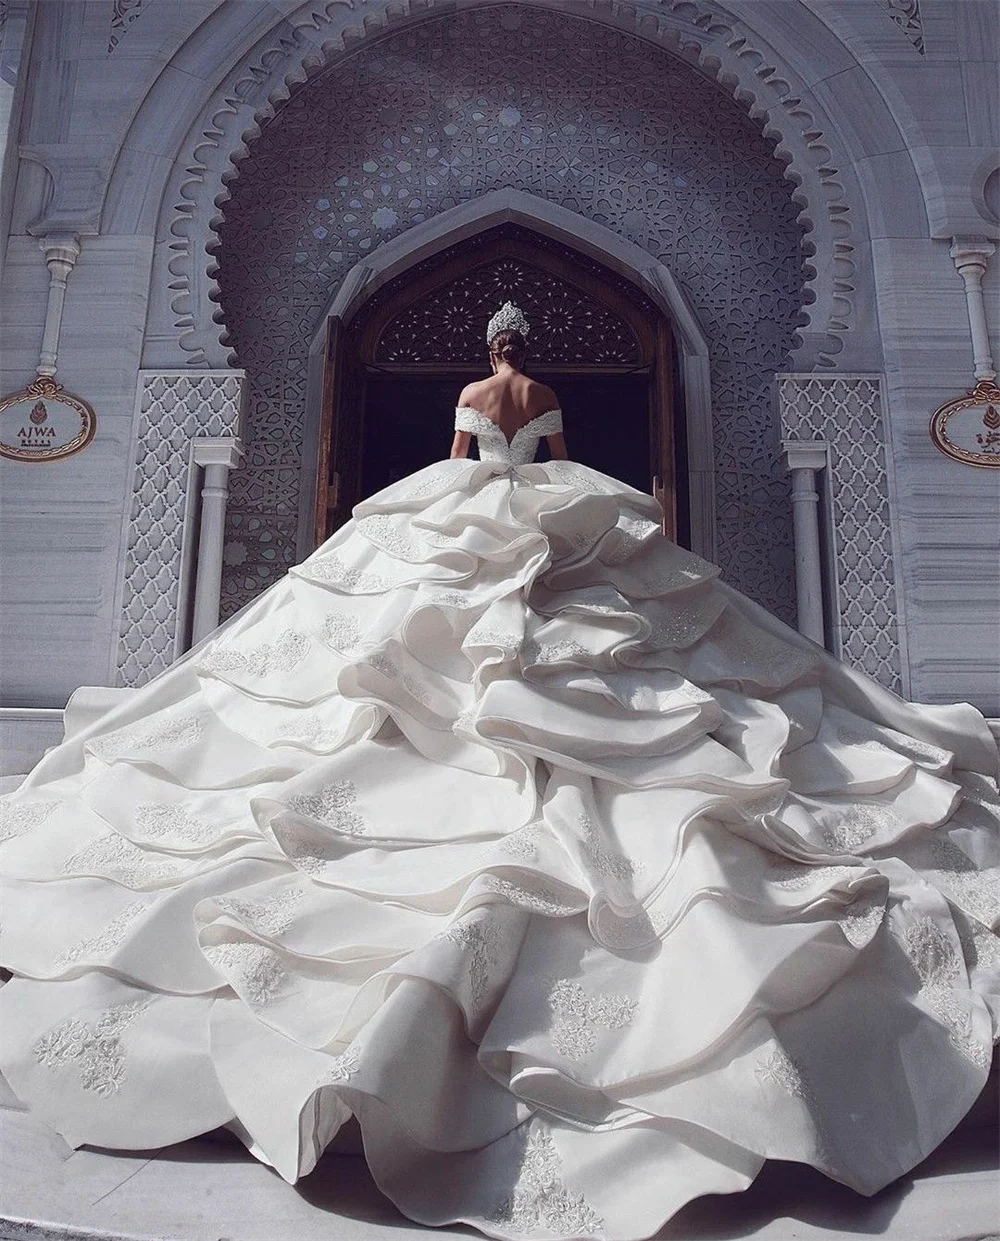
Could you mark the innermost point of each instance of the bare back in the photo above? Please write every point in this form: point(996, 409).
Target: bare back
point(509, 399)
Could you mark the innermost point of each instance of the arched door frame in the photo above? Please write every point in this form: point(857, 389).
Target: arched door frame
point(466, 220)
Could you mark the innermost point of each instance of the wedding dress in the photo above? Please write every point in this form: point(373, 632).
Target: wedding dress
point(503, 825)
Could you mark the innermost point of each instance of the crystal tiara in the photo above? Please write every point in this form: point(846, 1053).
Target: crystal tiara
point(508, 318)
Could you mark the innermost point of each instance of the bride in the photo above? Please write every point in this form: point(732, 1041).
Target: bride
point(504, 826)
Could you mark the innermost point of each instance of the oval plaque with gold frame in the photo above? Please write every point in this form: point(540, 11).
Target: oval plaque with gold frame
point(967, 428)
point(44, 423)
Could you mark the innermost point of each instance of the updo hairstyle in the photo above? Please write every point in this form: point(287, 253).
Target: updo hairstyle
point(509, 346)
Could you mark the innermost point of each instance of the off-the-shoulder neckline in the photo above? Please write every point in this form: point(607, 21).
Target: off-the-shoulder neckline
point(472, 410)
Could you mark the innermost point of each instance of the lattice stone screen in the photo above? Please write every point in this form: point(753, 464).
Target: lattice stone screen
point(602, 123)
point(846, 412)
point(172, 408)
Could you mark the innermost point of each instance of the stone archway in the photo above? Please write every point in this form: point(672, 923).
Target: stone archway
point(661, 156)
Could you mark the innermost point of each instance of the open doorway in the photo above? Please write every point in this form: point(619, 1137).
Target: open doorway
point(394, 372)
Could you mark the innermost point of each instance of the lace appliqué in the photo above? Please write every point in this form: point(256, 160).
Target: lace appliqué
point(341, 632)
point(113, 857)
point(980, 945)
point(857, 826)
point(342, 1067)
point(389, 531)
point(97, 1050)
point(862, 920)
point(159, 819)
point(105, 942)
point(386, 666)
point(286, 652)
point(974, 889)
point(522, 844)
point(892, 742)
point(481, 939)
point(542, 900)
point(254, 972)
point(332, 569)
point(777, 1068)
point(566, 651)
point(938, 966)
point(334, 805)
point(484, 635)
point(794, 876)
point(271, 918)
point(579, 1017)
point(540, 1199)
point(165, 735)
point(310, 730)
point(19, 817)
point(605, 861)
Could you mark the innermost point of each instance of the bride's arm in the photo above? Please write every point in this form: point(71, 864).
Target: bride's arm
point(460, 444)
point(557, 447)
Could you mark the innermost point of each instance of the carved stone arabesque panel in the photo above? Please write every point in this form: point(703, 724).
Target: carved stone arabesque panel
point(173, 409)
point(906, 15)
point(123, 14)
point(566, 324)
point(604, 123)
point(846, 412)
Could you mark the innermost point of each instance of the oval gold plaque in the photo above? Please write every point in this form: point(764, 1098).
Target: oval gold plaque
point(44, 423)
point(967, 428)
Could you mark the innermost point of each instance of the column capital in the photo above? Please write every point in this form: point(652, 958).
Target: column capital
point(224, 450)
point(60, 248)
point(806, 454)
point(974, 252)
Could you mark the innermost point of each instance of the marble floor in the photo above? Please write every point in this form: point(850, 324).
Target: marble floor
point(211, 1190)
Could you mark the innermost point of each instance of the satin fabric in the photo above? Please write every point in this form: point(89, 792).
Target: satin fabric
point(505, 826)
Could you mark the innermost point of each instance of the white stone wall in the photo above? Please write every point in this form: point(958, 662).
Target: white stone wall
point(128, 118)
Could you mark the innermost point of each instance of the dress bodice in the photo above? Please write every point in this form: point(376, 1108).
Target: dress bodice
point(494, 445)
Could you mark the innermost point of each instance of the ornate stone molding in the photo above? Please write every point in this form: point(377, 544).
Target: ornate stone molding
point(172, 409)
point(123, 14)
point(702, 33)
point(971, 256)
point(61, 252)
point(845, 411)
point(906, 15)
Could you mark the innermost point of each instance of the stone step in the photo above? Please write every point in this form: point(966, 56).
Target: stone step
point(210, 1189)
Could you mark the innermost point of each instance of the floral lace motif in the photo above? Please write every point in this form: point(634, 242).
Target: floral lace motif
point(113, 857)
point(540, 1199)
point(271, 918)
point(334, 805)
point(104, 943)
point(605, 861)
point(332, 569)
point(481, 938)
point(389, 531)
point(794, 876)
point(544, 899)
point(493, 445)
point(253, 971)
point(304, 852)
point(484, 635)
point(974, 889)
point(521, 844)
point(579, 1017)
point(286, 652)
point(678, 624)
point(98, 1050)
point(559, 652)
point(862, 921)
point(19, 817)
point(340, 631)
point(938, 966)
point(626, 539)
point(343, 1067)
point(857, 826)
point(308, 729)
point(159, 819)
point(777, 1068)
point(162, 735)
point(889, 741)
point(386, 666)
point(980, 945)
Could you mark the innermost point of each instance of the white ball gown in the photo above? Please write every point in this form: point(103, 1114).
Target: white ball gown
point(503, 825)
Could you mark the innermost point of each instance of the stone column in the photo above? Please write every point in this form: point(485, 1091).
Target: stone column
point(216, 456)
point(804, 458)
point(971, 256)
point(61, 251)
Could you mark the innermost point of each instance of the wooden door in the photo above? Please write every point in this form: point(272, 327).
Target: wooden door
point(436, 305)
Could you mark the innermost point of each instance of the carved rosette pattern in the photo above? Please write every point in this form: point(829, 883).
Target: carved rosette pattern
point(566, 325)
point(846, 411)
point(440, 113)
point(173, 409)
